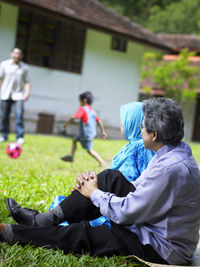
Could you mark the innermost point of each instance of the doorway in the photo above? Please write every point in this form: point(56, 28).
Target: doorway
point(196, 132)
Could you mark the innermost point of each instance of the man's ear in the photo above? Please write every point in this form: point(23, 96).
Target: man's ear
point(155, 135)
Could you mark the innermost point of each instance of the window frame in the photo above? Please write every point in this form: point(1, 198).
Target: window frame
point(26, 40)
point(119, 44)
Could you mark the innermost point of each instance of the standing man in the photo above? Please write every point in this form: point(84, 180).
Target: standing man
point(15, 89)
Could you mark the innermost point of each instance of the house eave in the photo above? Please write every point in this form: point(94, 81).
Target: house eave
point(57, 15)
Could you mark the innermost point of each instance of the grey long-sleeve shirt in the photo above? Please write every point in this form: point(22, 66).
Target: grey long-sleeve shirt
point(164, 211)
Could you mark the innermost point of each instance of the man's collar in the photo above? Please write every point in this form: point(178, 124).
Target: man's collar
point(12, 62)
point(164, 149)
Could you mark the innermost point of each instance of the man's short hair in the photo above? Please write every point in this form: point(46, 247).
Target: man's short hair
point(87, 95)
point(16, 47)
point(164, 116)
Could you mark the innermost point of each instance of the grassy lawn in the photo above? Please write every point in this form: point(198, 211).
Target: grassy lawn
point(35, 178)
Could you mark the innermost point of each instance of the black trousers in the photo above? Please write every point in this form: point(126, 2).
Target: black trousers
point(80, 237)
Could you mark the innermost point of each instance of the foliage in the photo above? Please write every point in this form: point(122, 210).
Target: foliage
point(178, 79)
point(177, 16)
point(180, 17)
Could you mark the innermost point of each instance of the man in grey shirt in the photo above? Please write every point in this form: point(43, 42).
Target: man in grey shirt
point(15, 89)
point(156, 218)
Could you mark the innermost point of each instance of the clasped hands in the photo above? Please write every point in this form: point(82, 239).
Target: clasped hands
point(86, 183)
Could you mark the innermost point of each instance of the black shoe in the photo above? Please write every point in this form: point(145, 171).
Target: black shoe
point(22, 216)
point(67, 158)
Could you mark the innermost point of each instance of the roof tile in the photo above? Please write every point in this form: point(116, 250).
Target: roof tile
point(180, 41)
point(95, 14)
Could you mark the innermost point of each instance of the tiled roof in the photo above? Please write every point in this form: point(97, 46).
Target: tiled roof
point(95, 15)
point(193, 60)
point(180, 41)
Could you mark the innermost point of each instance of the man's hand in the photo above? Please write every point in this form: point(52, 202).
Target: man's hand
point(27, 91)
point(26, 97)
point(86, 183)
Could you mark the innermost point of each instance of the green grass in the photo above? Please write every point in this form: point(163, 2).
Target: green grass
point(35, 178)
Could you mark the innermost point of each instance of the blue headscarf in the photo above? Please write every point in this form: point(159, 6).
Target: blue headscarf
point(131, 116)
point(133, 158)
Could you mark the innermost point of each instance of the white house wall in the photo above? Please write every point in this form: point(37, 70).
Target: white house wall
point(8, 24)
point(189, 109)
point(112, 76)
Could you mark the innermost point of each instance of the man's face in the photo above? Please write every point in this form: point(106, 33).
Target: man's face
point(148, 138)
point(16, 55)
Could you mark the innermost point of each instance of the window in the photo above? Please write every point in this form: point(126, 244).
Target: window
point(50, 43)
point(118, 44)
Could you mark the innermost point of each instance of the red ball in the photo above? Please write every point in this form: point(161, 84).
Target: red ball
point(14, 150)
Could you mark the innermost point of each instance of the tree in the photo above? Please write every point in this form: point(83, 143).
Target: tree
point(177, 79)
point(168, 16)
point(180, 17)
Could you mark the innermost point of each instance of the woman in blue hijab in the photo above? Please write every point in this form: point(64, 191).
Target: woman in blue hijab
point(133, 158)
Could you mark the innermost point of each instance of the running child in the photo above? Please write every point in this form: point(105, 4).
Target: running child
point(87, 128)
